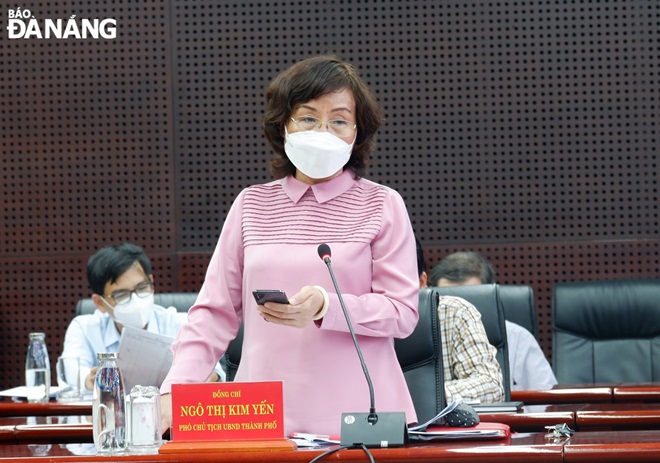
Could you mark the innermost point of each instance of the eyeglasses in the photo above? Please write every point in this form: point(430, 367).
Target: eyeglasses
point(144, 289)
point(338, 127)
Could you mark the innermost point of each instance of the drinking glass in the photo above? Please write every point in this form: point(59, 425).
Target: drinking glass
point(68, 379)
point(143, 411)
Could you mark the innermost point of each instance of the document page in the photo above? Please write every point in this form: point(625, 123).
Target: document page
point(21, 392)
point(144, 357)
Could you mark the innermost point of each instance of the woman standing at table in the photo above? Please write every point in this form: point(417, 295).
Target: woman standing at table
point(321, 120)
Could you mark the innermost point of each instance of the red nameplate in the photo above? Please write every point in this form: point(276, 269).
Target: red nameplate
point(227, 411)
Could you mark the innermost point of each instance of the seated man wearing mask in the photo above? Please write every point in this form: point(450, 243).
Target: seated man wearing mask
point(123, 290)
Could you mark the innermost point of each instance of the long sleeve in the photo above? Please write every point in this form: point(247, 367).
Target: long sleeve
point(84, 338)
point(390, 308)
point(214, 319)
point(87, 335)
point(530, 369)
point(470, 365)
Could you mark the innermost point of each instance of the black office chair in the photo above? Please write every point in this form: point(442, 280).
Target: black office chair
point(420, 357)
point(519, 307)
point(181, 301)
point(233, 355)
point(487, 301)
point(606, 331)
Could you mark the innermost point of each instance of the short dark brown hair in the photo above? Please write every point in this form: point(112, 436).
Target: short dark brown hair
point(310, 79)
point(460, 266)
point(111, 262)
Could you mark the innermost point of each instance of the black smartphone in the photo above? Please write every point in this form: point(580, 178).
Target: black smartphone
point(270, 295)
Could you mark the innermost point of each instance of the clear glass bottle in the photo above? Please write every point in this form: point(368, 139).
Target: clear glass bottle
point(109, 407)
point(37, 369)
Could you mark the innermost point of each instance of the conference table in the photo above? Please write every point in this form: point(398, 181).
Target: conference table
point(612, 423)
point(521, 447)
point(582, 447)
point(52, 408)
point(592, 393)
point(649, 392)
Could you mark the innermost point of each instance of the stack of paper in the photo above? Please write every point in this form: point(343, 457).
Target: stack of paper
point(480, 431)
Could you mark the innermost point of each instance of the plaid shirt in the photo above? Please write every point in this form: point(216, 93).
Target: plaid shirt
point(470, 365)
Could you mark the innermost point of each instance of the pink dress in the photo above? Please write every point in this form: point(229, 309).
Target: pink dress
point(269, 241)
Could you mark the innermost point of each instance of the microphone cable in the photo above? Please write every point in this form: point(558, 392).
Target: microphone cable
point(343, 447)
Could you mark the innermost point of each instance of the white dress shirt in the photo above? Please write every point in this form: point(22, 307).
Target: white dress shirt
point(528, 367)
point(90, 334)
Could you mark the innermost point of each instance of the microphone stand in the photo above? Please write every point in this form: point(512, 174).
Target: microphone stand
point(384, 429)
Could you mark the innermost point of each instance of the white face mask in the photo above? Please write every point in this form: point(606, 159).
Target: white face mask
point(316, 154)
point(136, 313)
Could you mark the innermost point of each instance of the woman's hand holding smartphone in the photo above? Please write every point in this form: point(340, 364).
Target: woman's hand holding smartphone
point(270, 295)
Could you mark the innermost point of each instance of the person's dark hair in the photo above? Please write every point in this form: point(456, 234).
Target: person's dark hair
point(421, 263)
point(460, 266)
point(110, 262)
point(310, 79)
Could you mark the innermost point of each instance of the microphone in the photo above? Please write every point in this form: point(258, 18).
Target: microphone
point(384, 429)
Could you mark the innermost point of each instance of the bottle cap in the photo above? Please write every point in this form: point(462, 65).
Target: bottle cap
point(106, 356)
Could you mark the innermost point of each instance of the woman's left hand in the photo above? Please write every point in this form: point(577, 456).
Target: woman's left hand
point(300, 310)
